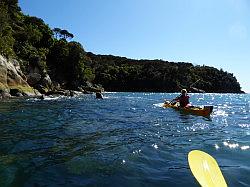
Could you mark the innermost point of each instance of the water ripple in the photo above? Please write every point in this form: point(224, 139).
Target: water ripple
point(127, 139)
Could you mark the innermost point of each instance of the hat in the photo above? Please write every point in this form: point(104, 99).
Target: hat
point(183, 91)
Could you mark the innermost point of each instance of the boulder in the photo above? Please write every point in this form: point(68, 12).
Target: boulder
point(33, 78)
point(89, 87)
point(41, 88)
point(38, 78)
point(46, 81)
point(16, 92)
point(18, 69)
point(4, 94)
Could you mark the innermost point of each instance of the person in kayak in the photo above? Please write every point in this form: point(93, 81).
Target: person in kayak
point(183, 99)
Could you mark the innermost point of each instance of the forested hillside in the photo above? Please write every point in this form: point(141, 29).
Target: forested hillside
point(122, 74)
point(32, 42)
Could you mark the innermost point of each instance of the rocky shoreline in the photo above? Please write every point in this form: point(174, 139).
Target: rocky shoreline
point(36, 82)
point(14, 83)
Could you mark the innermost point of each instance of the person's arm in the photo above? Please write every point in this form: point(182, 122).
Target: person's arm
point(177, 98)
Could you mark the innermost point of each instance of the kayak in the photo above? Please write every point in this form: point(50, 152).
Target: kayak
point(200, 111)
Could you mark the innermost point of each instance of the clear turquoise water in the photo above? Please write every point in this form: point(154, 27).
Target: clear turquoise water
point(127, 139)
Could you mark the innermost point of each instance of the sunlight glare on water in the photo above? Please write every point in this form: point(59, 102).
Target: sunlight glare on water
point(126, 139)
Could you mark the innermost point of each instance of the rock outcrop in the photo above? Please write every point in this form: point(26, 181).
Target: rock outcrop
point(39, 80)
point(12, 81)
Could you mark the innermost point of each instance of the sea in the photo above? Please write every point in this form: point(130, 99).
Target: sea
point(125, 139)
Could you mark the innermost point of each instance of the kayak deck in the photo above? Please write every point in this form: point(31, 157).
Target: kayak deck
point(201, 111)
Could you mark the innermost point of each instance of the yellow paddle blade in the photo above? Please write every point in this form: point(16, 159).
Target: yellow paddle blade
point(205, 169)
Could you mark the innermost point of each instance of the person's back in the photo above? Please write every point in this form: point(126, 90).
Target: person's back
point(183, 99)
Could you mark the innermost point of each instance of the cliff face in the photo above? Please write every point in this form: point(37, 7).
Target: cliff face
point(12, 80)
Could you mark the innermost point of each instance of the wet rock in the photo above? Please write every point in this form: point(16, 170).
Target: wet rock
point(33, 78)
point(98, 95)
point(46, 81)
point(16, 92)
point(4, 94)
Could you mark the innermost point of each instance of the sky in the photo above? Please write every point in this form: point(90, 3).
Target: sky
point(208, 32)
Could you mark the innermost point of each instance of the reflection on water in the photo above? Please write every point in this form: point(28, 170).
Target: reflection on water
point(127, 139)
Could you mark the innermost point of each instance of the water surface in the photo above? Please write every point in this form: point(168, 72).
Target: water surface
point(126, 139)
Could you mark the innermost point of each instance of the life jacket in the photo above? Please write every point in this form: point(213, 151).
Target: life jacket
point(183, 100)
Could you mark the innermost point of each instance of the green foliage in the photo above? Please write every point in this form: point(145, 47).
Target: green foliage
point(216, 80)
point(4, 17)
point(58, 33)
point(6, 42)
point(12, 8)
point(45, 34)
point(33, 34)
point(6, 38)
point(89, 74)
point(68, 63)
point(122, 74)
point(57, 59)
point(75, 62)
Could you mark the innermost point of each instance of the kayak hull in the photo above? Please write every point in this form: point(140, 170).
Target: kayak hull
point(200, 111)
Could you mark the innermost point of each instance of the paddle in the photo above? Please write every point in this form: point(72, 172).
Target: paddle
point(194, 83)
point(173, 101)
point(205, 169)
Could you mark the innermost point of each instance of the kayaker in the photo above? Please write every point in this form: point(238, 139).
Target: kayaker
point(183, 99)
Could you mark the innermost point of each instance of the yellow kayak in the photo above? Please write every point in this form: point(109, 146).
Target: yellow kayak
point(201, 111)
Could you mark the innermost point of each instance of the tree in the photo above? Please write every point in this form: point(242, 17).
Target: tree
point(59, 34)
point(56, 32)
point(38, 25)
point(6, 37)
point(65, 34)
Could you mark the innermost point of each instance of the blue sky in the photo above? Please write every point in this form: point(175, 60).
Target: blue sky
point(211, 32)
